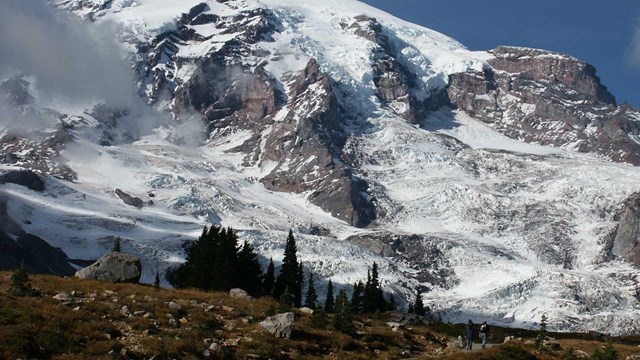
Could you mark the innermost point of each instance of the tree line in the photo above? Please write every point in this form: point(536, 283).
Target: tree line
point(216, 261)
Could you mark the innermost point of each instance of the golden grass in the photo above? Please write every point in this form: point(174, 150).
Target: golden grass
point(92, 325)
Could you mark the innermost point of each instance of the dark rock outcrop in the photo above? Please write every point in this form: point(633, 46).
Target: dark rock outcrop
point(130, 200)
point(548, 98)
point(415, 250)
point(16, 246)
point(25, 178)
point(308, 144)
point(397, 85)
point(113, 267)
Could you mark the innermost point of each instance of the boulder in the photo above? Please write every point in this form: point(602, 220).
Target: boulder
point(306, 311)
point(280, 325)
point(240, 294)
point(130, 200)
point(113, 267)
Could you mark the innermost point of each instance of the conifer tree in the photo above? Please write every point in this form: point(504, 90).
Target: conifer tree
point(156, 282)
point(20, 285)
point(250, 273)
point(318, 318)
point(329, 303)
point(411, 309)
point(213, 263)
point(343, 319)
point(289, 272)
point(542, 333)
point(311, 298)
point(117, 246)
point(286, 300)
point(356, 297)
point(419, 305)
point(373, 296)
point(269, 279)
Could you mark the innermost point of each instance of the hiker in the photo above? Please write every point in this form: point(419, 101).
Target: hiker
point(484, 333)
point(470, 335)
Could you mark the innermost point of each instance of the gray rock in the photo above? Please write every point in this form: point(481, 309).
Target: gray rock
point(130, 200)
point(280, 325)
point(175, 306)
point(113, 267)
point(306, 311)
point(214, 347)
point(63, 297)
point(125, 310)
point(551, 345)
point(240, 294)
point(626, 236)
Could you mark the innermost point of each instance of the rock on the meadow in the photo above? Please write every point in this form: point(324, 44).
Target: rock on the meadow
point(113, 267)
point(280, 325)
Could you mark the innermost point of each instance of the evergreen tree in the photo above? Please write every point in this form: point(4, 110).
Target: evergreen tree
point(297, 295)
point(373, 296)
point(289, 272)
point(391, 303)
point(226, 261)
point(343, 319)
point(117, 244)
point(213, 263)
point(318, 318)
point(156, 283)
point(286, 300)
point(419, 305)
point(269, 279)
point(250, 273)
point(411, 309)
point(608, 353)
point(311, 298)
point(20, 285)
point(542, 333)
point(356, 297)
point(329, 303)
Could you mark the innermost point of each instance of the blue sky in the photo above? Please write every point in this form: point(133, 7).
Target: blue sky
point(603, 33)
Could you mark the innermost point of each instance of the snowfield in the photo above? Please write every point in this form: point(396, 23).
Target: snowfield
point(515, 228)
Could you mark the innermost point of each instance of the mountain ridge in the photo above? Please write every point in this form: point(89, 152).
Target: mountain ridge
point(359, 131)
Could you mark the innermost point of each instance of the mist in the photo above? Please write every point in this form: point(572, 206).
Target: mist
point(633, 56)
point(72, 62)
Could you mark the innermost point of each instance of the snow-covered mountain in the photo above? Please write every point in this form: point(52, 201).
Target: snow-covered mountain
point(504, 182)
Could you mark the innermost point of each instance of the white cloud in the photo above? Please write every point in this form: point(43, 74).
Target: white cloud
point(72, 61)
point(633, 55)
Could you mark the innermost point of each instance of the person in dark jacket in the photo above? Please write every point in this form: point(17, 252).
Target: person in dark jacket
point(470, 335)
point(484, 333)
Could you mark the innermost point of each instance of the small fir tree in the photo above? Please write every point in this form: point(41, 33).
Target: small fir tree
point(418, 307)
point(356, 297)
point(318, 318)
point(156, 283)
point(607, 353)
point(329, 303)
point(20, 285)
point(311, 298)
point(542, 332)
point(343, 319)
point(285, 302)
point(117, 244)
point(269, 279)
point(411, 309)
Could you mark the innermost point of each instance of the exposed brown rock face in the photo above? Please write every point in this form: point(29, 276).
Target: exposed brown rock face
point(301, 133)
point(548, 98)
point(308, 142)
point(396, 85)
point(626, 238)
